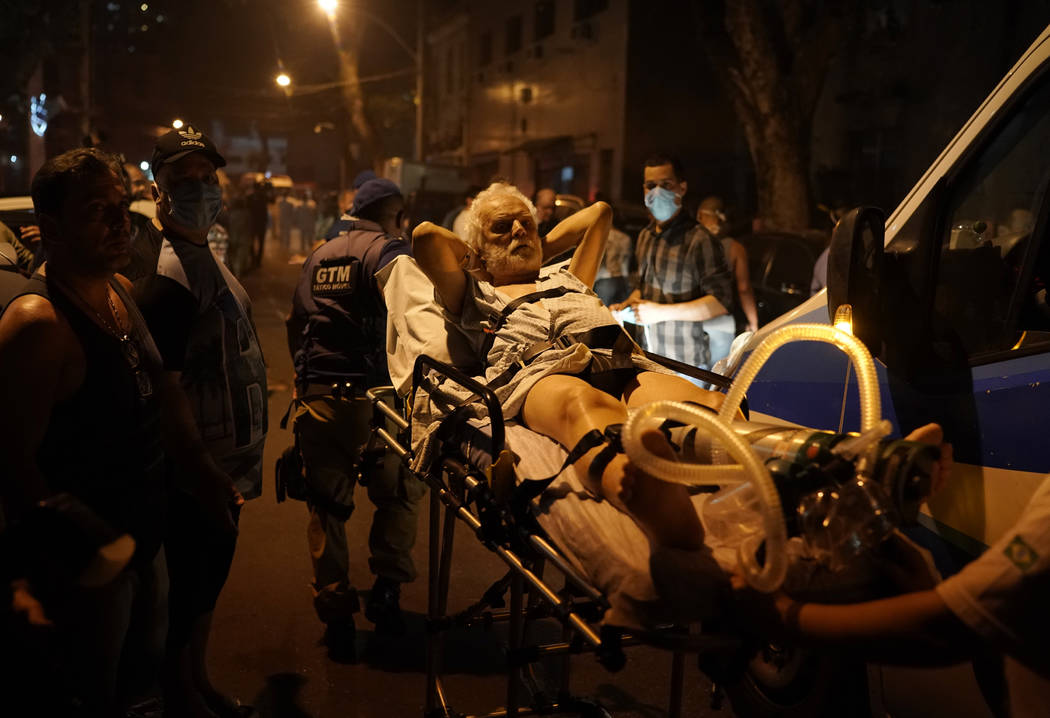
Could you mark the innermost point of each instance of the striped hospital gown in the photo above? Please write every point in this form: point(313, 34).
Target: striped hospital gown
point(680, 264)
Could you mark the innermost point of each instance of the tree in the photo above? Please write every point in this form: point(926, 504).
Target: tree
point(29, 32)
point(350, 88)
point(773, 58)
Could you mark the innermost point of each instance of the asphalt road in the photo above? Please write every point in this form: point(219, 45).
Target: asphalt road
point(265, 647)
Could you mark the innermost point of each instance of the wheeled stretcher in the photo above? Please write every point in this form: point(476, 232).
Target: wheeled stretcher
point(575, 558)
point(570, 557)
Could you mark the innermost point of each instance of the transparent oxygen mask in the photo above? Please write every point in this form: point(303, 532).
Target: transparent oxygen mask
point(839, 523)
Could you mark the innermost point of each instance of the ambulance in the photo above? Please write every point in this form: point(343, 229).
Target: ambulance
point(949, 292)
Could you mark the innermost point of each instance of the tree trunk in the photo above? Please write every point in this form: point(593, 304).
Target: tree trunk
point(781, 173)
point(773, 58)
point(353, 98)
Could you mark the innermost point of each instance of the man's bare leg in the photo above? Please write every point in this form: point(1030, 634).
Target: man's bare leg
point(565, 408)
point(649, 386)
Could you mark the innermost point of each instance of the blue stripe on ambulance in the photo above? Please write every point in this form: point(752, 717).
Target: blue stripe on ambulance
point(989, 415)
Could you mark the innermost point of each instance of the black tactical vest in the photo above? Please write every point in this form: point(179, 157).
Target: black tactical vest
point(345, 334)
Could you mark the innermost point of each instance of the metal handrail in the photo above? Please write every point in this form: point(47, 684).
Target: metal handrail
point(424, 362)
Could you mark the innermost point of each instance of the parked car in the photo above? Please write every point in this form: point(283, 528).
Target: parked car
point(16, 212)
point(566, 204)
point(781, 267)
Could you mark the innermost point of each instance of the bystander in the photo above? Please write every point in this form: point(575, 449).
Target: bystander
point(74, 345)
point(683, 278)
point(200, 317)
point(545, 200)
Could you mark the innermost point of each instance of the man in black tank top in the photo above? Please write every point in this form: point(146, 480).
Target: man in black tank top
point(95, 416)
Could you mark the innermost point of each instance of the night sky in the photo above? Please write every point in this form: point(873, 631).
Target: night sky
point(206, 60)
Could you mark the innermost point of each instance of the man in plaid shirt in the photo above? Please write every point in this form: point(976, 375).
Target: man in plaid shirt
point(683, 277)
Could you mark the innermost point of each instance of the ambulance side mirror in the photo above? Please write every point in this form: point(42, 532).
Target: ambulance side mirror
point(855, 271)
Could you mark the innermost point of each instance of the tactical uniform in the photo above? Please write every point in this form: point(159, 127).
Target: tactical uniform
point(339, 353)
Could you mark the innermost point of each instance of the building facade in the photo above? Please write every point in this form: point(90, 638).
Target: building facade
point(575, 94)
point(533, 91)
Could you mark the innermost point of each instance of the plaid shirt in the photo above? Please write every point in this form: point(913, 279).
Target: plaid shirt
point(618, 273)
point(679, 264)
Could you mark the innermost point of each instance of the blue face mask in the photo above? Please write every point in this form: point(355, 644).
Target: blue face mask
point(195, 205)
point(662, 203)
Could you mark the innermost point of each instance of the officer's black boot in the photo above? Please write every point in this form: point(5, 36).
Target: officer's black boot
point(337, 607)
point(384, 607)
point(340, 637)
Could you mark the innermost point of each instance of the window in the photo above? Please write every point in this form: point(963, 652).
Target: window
point(513, 34)
point(584, 9)
point(544, 19)
point(485, 49)
point(990, 287)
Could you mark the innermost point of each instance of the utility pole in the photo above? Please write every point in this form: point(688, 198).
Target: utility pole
point(86, 69)
point(418, 151)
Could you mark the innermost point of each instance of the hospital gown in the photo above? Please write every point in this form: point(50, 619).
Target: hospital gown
point(530, 324)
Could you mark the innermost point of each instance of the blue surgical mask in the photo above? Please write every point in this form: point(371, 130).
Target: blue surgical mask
point(195, 205)
point(662, 203)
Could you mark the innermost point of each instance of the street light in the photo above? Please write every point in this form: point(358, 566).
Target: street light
point(329, 7)
point(176, 123)
point(283, 79)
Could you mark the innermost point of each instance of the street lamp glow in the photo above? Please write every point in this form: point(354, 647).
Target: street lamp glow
point(329, 6)
point(176, 123)
point(283, 80)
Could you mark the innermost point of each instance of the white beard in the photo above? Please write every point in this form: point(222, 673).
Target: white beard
point(504, 261)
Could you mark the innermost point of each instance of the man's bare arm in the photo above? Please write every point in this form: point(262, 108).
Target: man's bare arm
point(744, 289)
point(695, 310)
point(442, 256)
point(570, 231)
point(910, 629)
point(35, 348)
point(634, 298)
point(593, 228)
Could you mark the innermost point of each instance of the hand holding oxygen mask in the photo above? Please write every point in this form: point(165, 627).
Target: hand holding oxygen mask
point(842, 494)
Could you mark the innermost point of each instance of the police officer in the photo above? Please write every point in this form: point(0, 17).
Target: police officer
point(336, 334)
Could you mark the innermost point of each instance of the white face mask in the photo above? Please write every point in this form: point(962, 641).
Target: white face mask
point(662, 203)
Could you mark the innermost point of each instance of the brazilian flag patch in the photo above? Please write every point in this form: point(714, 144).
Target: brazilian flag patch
point(1021, 554)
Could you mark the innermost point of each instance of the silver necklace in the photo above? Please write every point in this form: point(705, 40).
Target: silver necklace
point(121, 331)
point(117, 328)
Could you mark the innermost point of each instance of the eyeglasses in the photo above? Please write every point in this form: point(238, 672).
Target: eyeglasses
point(131, 355)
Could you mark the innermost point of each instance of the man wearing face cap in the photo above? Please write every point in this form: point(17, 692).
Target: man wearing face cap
point(683, 277)
point(346, 200)
point(336, 335)
point(200, 317)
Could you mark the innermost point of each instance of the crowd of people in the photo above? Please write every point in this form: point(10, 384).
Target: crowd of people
point(132, 355)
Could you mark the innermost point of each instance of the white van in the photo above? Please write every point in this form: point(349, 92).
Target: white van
point(949, 293)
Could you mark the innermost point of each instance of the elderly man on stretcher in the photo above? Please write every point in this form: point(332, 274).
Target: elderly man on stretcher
point(552, 351)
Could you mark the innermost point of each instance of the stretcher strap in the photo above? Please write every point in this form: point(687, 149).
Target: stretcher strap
point(609, 336)
point(498, 319)
point(529, 489)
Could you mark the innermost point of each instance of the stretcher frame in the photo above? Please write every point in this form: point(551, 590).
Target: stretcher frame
point(467, 494)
